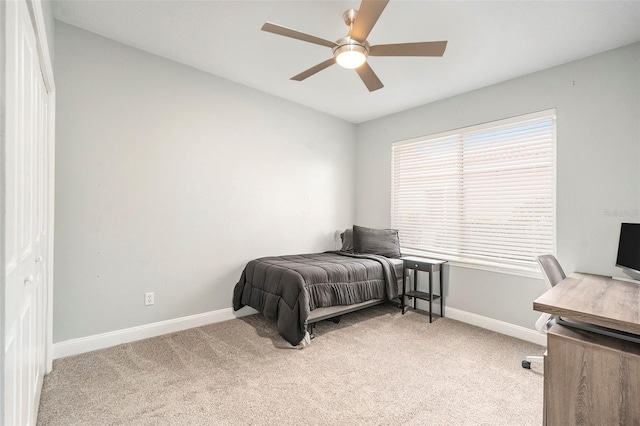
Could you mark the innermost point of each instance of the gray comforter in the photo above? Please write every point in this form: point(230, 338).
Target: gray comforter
point(287, 288)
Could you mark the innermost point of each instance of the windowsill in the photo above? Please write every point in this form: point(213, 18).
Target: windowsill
point(458, 262)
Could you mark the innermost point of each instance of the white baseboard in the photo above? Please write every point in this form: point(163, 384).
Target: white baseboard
point(105, 340)
point(496, 325)
point(113, 338)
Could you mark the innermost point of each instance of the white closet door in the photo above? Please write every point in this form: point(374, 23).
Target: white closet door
point(26, 219)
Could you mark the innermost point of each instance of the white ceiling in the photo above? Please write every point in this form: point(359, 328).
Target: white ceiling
point(489, 42)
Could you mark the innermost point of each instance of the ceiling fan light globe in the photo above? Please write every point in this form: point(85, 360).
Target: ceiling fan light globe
point(349, 53)
point(351, 59)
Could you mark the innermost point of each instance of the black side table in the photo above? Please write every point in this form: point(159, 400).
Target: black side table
point(427, 265)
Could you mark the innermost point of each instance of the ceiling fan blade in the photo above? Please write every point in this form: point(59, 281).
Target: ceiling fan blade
point(369, 77)
point(368, 14)
point(311, 71)
point(288, 32)
point(427, 48)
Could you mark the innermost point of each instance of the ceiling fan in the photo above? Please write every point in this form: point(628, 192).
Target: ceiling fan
point(352, 50)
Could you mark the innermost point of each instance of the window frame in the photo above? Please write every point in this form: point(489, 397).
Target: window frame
point(530, 271)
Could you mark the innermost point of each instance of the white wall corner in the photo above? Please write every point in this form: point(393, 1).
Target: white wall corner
point(113, 338)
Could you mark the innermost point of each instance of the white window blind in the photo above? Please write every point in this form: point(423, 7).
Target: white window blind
point(483, 194)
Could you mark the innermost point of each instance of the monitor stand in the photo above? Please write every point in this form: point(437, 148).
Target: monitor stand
point(632, 276)
point(629, 280)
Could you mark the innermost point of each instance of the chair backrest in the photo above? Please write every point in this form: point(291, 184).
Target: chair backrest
point(551, 269)
point(553, 274)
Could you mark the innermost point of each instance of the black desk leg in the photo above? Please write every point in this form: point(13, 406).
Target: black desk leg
point(430, 294)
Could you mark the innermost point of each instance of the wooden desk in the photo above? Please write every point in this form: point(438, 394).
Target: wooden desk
point(591, 379)
point(594, 299)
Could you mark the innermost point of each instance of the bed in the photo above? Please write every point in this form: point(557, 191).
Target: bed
point(299, 290)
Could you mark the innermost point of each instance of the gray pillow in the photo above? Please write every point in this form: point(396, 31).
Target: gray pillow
point(383, 242)
point(347, 240)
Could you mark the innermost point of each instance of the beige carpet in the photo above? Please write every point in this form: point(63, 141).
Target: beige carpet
point(377, 367)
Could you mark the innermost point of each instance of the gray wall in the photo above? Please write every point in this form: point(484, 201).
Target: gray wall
point(598, 168)
point(169, 180)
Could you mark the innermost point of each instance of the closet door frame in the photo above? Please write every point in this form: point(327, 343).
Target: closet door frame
point(46, 170)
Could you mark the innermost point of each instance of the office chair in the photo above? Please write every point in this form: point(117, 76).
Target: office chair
point(553, 274)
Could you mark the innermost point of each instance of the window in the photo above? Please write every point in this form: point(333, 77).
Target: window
point(483, 194)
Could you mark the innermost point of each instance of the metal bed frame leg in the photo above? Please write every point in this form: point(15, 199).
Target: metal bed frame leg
point(311, 328)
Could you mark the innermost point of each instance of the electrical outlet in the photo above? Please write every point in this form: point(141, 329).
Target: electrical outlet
point(148, 298)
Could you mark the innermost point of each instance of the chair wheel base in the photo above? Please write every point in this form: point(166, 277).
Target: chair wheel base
point(526, 364)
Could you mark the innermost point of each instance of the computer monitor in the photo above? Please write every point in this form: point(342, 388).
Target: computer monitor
point(629, 249)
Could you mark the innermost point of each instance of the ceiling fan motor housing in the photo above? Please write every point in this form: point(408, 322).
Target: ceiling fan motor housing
point(346, 44)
